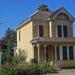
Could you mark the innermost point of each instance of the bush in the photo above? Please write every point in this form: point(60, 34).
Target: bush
point(7, 69)
point(34, 61)
point(27, 69)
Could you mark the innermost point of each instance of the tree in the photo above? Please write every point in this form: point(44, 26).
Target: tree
point(9, 42)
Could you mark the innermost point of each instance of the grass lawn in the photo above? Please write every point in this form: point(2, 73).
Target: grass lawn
point(69, 70)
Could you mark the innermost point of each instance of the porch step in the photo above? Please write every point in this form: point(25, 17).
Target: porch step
point(68, 67)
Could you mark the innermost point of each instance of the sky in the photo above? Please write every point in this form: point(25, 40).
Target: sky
point(12, 12)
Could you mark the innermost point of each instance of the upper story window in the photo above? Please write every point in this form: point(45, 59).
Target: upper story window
point(41, 31)
point(62, 31)
point(62, 16)
point(19, 35)
point(59, 28)
point(65, 31)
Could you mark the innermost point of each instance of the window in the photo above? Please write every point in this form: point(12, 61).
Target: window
point(59, 28)
point(19, 35)
point(64, 31)
point(71, 53)
point(40, 30)
point(58, 53)
point(64, 52)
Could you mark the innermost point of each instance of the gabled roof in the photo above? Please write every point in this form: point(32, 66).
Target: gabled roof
point(37, 15)
point(43, 14)
point(58, 10)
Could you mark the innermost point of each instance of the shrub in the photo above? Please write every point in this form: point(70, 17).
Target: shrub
point(34, 61)
point(27, 69)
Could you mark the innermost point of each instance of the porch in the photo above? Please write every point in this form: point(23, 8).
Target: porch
point(59, 50)
point(44, 53)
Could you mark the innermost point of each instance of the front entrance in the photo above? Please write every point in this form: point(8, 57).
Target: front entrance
point(45, 53)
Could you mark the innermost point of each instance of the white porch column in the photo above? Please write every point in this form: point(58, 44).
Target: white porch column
point(38, 46)
point(74, 51)
point(61, 53)
point(45, 52)
point(50, 28)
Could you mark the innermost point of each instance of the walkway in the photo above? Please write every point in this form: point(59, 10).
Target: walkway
point(67, 72)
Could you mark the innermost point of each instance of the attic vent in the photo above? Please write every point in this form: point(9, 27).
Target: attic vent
point(43, 7)
point(62, 16)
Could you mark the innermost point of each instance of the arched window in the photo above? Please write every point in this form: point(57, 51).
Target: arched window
point(62, 16)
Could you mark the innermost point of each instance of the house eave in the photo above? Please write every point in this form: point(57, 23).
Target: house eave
point(22, 24)
point(49, 40)
point(27, 20)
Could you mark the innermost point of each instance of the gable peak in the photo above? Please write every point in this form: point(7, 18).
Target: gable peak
point(43, 7)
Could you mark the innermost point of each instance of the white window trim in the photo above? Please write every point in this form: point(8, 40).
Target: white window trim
point(62, 31)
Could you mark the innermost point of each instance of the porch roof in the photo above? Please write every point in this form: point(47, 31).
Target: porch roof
point(51, 40)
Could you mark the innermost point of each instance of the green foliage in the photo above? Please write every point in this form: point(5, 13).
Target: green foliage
point(9, 42)
point(34, 61)
point(5, 55)
point(23, 55)
point(20, 57)
point(7, 69)
point(27, 69)
point(16, 58)
point(10, 38)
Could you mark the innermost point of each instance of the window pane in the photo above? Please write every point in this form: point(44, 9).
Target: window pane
point(58, 53)
point(40, 31)
point(64, 52)
point(65, 31)
point(71, 53)
point(59, 31)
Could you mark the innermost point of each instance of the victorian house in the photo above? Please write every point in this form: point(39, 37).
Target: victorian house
point(48, 36)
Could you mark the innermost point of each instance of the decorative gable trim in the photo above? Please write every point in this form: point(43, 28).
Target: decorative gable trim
point(62, 10)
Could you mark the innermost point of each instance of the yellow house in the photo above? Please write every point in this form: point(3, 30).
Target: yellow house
point(48, 36)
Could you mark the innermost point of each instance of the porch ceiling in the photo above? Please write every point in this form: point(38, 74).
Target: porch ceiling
point(50, 40)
